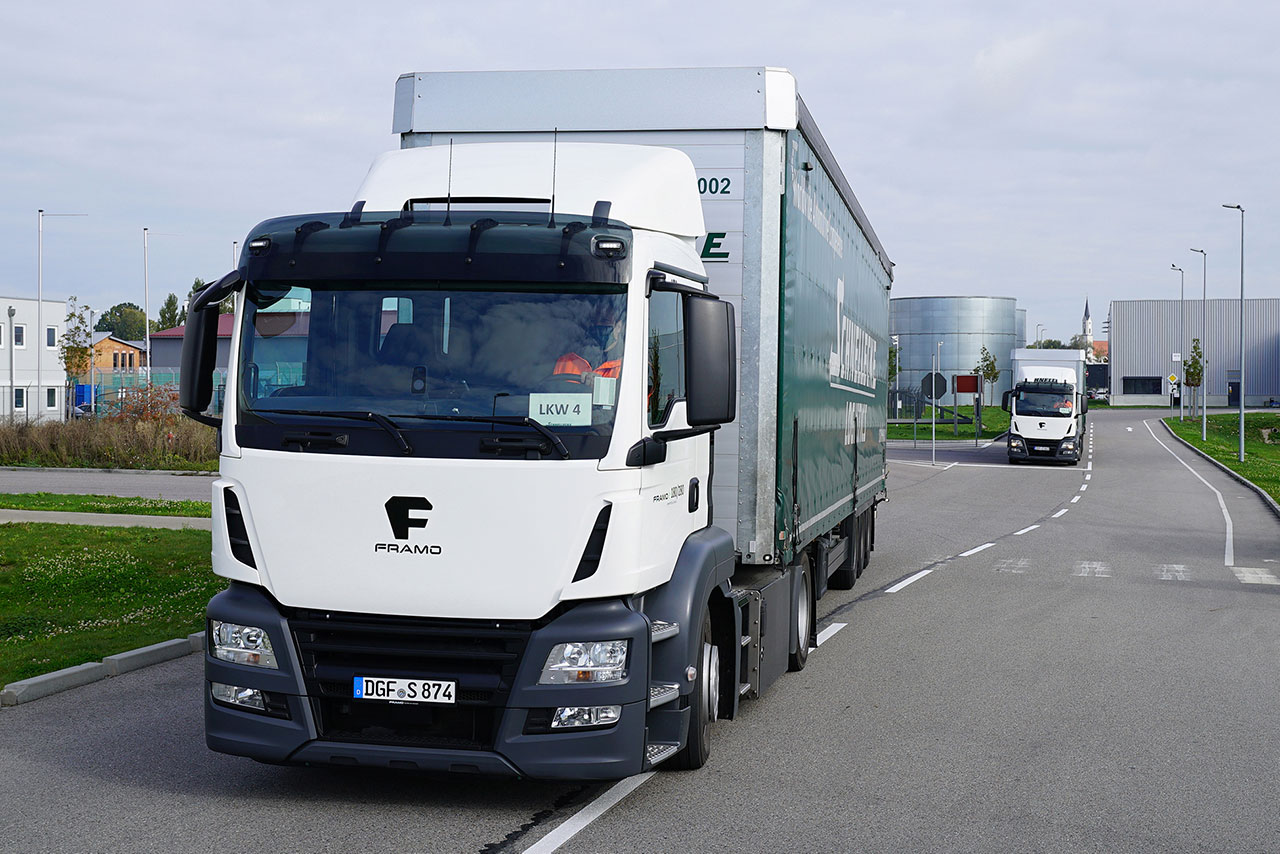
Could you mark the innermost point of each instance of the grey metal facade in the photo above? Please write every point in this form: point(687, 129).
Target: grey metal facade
point(1144, 335)
point(1021, 332)
point(964, 325)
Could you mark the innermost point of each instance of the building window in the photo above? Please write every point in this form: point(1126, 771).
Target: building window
point(115, 360)
point(51, 337)
point(51, 398)
point(1, 335)
point(131, 361)
point(1143, 385)
point(19, 398)
point(19, 337)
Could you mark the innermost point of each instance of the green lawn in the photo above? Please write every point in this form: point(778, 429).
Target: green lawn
point(71, 594)
point(994, 422)
point(103, 504)
point(1261, 445)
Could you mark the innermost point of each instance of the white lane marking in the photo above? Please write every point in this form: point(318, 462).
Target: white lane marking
point(904, 582)
point(592, 811)
point(974, 551)
point(1130, 429)
point(1083, 487)
point(1173, 572)
point(1089, 467)
point(1060, 512)
point(1229, 553)
point(1018, 469)
point(953, 465)
point(1088, 477)
point(1017, 566)
point(1097, 568)
point(1025, 530)
point(825, 634)
point(1074, 500)
point(1248, 575)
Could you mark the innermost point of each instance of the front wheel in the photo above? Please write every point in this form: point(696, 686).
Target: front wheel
point(803, 617)
point(703, 702)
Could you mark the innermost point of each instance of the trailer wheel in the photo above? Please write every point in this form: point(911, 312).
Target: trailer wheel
point(860, 543)
point(866, 537)
point(844, 578)
point(704, 702)
point(803, 616)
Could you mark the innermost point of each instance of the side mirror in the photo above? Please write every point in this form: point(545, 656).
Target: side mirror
point(1084, 403)
point(711, 356)
point(1004, 400)
point(199, 353)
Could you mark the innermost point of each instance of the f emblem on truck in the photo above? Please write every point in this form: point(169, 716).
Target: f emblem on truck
point(398, 509)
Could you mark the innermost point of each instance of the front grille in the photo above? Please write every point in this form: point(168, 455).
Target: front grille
point(481, 657)
point(1034, 446)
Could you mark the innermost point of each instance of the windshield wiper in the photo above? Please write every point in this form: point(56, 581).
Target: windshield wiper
point(515, 420)
point(356, 415)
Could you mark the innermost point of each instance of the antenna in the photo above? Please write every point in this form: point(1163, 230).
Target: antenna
point(448, 186)
point(555, 135)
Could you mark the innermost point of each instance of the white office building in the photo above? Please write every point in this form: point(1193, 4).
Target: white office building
point(32, 379)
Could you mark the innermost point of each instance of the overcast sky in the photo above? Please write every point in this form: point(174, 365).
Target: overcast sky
point(1035, 150)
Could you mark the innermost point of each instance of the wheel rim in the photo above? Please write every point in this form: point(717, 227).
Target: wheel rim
point(711, 680)
point(802, 616)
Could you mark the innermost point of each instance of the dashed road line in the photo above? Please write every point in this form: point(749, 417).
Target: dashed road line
point(974, 551)
point(1060, 512)
point(592, 811)
point(1083, 487)
point(1025, 530)
point(825, 634)
point(908, 580)
point(1074, 500)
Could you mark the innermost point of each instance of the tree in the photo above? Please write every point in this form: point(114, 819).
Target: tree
point(1193, 368)
point(170, 314)
point(76, 348)
point(893, 363)
point(1048, 344)
point(987, 369)
point(1078, 342)
point(123, 320)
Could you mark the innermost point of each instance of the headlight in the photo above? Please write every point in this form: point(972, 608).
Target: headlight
point(241, 644)
point(575, 663)
point(1068, 446)
point(1015, 442)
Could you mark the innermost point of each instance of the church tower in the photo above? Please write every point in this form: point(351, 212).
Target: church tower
point(1086, 326)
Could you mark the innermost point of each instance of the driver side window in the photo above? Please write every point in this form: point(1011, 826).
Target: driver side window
point(666, 354)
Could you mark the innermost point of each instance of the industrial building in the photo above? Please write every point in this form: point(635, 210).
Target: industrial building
point(1145, 334)
point(32, 379)
point(964, 325)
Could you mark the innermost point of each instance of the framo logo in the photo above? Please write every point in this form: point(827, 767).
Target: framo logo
point(400, 510)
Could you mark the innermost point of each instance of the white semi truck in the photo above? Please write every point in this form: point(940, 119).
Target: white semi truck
point(1046, 406)
point(537, 458)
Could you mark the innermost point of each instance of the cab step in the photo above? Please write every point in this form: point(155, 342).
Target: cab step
point(659, 751)
point(661, 630)
point(662, 692)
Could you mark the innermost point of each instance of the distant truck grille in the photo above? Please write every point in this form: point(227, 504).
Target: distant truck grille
point(480, 656)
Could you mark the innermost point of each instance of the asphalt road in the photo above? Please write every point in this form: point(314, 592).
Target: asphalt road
point(1099, 679)
point(188, 487)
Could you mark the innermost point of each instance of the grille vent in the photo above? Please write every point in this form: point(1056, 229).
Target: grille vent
point(236, 530)
point(595, 546)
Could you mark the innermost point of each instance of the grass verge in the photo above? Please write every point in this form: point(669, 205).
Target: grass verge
point(104, 504)
point(1261, 463)
point(171, 442)
point(994, 422)
point(71, 594)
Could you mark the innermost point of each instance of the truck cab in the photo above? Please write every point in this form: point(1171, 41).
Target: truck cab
point(1046, 415)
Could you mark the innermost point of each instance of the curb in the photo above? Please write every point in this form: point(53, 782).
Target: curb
point(1262, 493)
point(170, 472)
point(26, 690)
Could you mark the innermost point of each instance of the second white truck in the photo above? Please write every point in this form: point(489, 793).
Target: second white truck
point(1046, 406)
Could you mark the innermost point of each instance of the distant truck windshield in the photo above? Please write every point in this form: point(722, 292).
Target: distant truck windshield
point(1045, 402)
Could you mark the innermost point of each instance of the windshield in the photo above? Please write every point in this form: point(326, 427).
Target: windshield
point(1045, 404)
point(413, 352)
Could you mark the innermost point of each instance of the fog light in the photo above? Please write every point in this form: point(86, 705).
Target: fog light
point(575, 663)
point(567, 717)
point(241, 644)
point(249, 698)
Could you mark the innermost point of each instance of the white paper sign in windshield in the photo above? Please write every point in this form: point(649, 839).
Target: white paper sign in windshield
point(561, 410)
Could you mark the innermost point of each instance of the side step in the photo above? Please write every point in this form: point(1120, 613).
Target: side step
point(661, 630)
point(659, 751)
point(662, 692)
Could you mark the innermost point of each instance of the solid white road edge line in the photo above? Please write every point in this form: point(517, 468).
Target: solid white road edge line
point(825, 634)
point(1229, 554)
point(904, 582)
point(592, 811)
point(1060, 512)
point(974, 551)
point(1025, 530)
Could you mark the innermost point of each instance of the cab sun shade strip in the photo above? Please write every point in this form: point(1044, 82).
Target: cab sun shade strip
point(595, 546)
point(236, 530)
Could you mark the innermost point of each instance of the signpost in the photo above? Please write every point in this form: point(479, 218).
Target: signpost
point(971, 384)
point(1173, 389)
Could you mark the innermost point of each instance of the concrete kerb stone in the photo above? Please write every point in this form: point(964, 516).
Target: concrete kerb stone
point(171, 472)
point(1262, 493)
point(26, 690)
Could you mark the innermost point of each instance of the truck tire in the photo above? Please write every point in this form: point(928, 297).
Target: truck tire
point(866, 538)
point(704, 702)
point(803, 616)
point(844, 578)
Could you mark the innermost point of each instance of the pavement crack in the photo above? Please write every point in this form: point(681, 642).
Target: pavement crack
point(570, 798)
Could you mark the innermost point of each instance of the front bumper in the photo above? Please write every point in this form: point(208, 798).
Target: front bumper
point(496, 726)
point(1057, 450)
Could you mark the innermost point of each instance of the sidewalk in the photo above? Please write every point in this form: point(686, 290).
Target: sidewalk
point(113, 520)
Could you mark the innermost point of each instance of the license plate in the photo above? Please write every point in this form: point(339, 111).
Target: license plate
point(403, 690)
point(1041, 448)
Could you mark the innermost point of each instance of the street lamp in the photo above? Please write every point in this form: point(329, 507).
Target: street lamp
point(1182, 373)
point(1204, 345)
point(40, 335)
point(13, 394)
point(933, 411)
point(1039, 326)
point(1238, 208)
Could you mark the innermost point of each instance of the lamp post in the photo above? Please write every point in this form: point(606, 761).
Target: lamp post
point(1204, 344)
point(1039, 326)
point(40, 336)
point(13, 394)
point(933, 412)
point(235, 254)
point(1238, 208)
point(1182, 372)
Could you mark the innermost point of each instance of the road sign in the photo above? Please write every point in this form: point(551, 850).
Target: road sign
point(934, 385)
point(1177, 357)
point(1173, 379)
point(965, 383)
